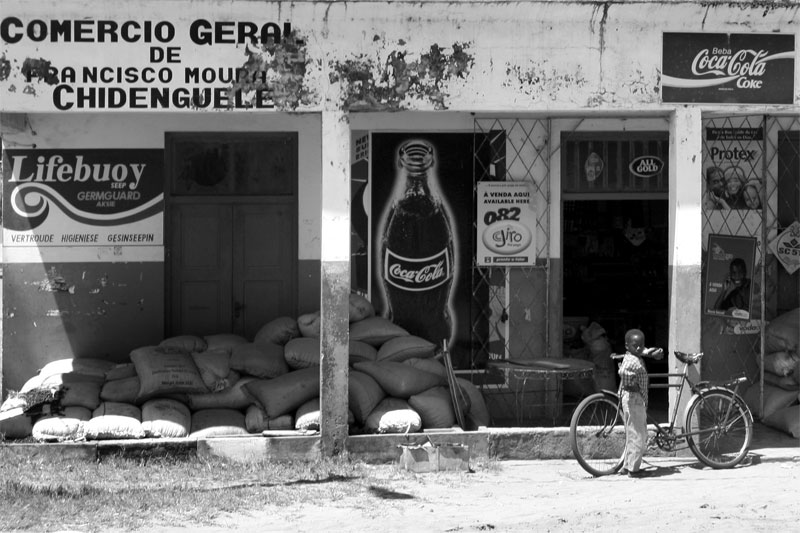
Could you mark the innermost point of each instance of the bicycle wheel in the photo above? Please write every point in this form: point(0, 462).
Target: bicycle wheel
point(597, 434)
point(720, 428)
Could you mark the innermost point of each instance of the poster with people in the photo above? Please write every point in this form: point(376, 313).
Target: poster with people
point(729, 269)
point(732, 169)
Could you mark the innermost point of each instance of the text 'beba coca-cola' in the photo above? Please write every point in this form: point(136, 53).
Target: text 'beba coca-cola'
point(744, 65)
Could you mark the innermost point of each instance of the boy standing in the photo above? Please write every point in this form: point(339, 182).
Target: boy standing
point(633, 398)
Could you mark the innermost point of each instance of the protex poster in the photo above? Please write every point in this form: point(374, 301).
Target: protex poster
point(82, 198)
point(732, 169)
point(728, 68)
point(506, 224)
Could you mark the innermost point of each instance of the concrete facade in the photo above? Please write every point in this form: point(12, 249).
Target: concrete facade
point(333, 68)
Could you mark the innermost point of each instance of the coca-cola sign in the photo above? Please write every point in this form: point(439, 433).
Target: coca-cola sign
point(646, 166)
point(417, 274)
point(728, 68)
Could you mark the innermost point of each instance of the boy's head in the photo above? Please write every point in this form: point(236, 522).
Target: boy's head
point(634, 341)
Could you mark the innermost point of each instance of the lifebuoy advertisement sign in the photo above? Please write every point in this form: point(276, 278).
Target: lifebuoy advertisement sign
point(83, 198)
point(723, 68)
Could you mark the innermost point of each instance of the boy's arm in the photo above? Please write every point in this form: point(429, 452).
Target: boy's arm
point(653, 353)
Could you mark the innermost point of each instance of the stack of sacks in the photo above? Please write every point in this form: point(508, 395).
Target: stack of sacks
point(395, 383)
point(224, 384)
point(79, 381)
point(781, 375)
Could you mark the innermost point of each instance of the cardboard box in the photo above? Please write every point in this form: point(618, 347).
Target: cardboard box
point(429, 457)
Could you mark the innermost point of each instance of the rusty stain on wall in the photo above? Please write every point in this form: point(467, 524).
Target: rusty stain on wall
point(541, 81)
point(279, 66)
point(389, 86)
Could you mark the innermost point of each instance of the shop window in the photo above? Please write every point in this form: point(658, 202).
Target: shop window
point(615, 162)
point(219, 164)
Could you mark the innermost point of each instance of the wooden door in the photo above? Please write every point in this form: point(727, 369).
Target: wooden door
point(232, 256)
point(263, 266)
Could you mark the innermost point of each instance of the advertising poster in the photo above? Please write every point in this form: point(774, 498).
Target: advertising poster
point(83, 198)
point(506, 224)
point(729, 268)
point(422, 215)
point(732, 169)
point(359, 213)
point(786, 247)
point(726, 68)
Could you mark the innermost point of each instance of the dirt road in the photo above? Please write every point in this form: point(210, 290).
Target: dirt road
point(554, 495)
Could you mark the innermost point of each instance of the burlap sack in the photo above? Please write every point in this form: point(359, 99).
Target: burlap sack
point(399, 380)
point(278, 331)
point(261, 360)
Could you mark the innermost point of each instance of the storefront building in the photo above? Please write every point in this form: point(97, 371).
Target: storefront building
point(174, 167)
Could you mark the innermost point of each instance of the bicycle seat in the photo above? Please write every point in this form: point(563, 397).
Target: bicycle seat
point(689, 358)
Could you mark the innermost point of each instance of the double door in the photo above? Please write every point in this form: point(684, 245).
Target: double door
point(232, 253)
point(232, 267)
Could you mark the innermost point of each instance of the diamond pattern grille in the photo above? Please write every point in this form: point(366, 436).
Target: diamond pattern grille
point(774, 168)
point(513, 299)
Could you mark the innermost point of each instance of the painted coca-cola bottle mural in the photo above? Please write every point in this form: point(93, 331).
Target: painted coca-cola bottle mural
point(417, 249)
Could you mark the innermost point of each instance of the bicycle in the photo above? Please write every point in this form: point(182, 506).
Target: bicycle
point(718, 424)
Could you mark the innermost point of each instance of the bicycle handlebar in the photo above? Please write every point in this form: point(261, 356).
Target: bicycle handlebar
point(683, 357)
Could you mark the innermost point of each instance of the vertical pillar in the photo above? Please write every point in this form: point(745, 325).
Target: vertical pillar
point(685, 237)
point(335, 282)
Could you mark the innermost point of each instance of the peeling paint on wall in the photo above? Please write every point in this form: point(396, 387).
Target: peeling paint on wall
point(399, 80)
point(5, 68)
point(56, 284)
point(280, 68)
point(542, 81)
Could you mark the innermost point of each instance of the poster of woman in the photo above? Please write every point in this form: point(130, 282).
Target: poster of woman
point(729, 267)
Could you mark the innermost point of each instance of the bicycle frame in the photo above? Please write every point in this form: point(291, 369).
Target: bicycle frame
point(716, 424)
point(698, 389)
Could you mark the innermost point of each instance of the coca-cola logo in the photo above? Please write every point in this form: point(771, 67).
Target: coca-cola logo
point(743, 65)
point(646, 166)
point(417, 274)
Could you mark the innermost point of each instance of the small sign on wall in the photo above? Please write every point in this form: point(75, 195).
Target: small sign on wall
point(506, 224)
point(729, 268)
point(786, 247)
point(726, 68)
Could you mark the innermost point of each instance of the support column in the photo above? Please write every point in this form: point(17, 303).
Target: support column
point(685, 238)
point(335, 282)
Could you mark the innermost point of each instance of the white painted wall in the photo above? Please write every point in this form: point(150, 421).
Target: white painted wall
point(546, 56)
point(146, 130)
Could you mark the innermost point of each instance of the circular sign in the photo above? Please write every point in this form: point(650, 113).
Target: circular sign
point(507, 237)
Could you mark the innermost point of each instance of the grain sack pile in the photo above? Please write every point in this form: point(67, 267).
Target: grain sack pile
point(225, 384)
point(781, 375)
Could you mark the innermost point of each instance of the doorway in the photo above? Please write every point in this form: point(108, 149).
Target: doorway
point(232, 213)
point(615, 270)
point(615, 235)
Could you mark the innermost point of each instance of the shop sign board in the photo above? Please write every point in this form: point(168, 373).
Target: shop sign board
point(786, 247)
point(109, 60)
point(721, 68)
point(729, 267)
point(506, 224)
point(83, 198)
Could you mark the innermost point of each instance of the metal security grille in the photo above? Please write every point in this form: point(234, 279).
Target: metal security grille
point(513, 299)
point(761, 153)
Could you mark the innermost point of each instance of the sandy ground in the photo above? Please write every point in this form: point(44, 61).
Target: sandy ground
point(554, 495)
